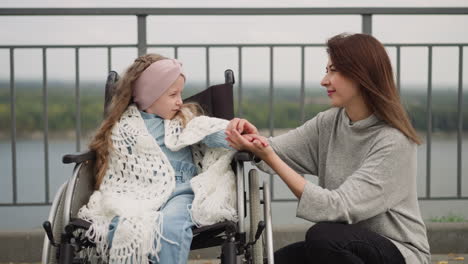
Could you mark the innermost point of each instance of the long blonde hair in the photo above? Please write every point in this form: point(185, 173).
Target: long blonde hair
point(101, 144)
point(363, 59)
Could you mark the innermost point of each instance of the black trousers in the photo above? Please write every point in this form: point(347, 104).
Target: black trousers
point(328, 242)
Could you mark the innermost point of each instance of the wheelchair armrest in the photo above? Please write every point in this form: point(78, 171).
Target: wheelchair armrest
point(217, 228)
point(77, 223)
point(79, 157)
point(243, 156)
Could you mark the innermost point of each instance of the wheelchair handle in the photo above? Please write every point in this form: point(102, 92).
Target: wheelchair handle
point(79, 157)
point(260, 228)
point(243, 156)
point(229, 77)
point(48, 229)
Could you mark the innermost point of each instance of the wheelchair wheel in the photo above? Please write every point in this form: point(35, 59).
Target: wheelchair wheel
point(268, 228)
point(56, 219)
point(255, 216)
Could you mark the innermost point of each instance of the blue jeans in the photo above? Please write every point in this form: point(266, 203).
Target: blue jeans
point(177, 225)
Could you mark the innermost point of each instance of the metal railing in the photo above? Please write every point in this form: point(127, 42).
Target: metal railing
point(142, 46)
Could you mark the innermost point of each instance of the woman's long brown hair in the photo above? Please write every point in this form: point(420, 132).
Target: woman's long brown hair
point(363, 59)
point(101, 143)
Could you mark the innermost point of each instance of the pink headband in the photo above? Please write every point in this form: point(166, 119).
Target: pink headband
point(154, 81)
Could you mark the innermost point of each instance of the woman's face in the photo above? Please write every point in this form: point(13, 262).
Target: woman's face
point(170, 101)
point(342, 91)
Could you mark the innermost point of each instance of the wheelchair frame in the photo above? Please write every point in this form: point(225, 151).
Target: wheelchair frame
point(231, 236)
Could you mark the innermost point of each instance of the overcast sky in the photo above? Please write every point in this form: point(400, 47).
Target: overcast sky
point(230, 3)
point(227, 29)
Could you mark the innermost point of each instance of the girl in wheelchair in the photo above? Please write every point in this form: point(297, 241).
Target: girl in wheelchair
point(148, 149)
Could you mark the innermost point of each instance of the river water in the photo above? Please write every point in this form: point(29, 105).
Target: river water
point(31, 182)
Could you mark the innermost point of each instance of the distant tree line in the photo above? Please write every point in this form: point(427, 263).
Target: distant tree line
point(287, 115)
point(255, 107)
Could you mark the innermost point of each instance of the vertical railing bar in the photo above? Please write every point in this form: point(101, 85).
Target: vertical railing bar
point(141, 29)
point(272, 184)
point(271, 91)
point(207, 58)
point(429, 124)
point(77, 98)
point(109, 59)
point(13, 123)
point(239, 83)
point(302, 102)
point(367, 24)
point(176, 52)
point(398, 68)
point(46, 123)
point(460, 121)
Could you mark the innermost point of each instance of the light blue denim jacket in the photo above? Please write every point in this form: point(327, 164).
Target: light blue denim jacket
point(181, 160)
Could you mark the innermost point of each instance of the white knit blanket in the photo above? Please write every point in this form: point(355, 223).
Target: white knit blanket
point(140, 179)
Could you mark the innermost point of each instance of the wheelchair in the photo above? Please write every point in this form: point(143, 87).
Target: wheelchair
point(64, 241)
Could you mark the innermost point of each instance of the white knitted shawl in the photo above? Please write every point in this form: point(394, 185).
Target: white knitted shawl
point(140, 179)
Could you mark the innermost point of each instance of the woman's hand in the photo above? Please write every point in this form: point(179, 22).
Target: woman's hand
point(242, 126)
point(254, 143)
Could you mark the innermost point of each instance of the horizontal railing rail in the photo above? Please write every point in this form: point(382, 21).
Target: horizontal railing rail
point(234, 11)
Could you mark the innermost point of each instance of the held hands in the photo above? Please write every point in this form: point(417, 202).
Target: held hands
point(254, 143)
point(242, 135)
point(242, 126)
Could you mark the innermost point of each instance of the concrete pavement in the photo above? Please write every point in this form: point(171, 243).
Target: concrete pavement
point(25, 246)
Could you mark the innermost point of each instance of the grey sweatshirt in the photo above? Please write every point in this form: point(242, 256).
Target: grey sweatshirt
point(367, 177)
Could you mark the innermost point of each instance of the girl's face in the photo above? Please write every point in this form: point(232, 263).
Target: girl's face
point(342, 91)
point(170, 101)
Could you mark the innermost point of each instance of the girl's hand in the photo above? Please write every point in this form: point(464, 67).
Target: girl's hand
point(242, 126)
point(256, 138)
point(254, 143)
